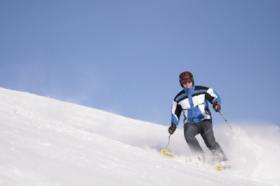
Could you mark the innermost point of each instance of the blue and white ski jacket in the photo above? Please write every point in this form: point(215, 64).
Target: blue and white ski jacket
point(194, 104)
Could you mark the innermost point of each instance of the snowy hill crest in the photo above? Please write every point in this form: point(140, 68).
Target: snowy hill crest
point(49, 142)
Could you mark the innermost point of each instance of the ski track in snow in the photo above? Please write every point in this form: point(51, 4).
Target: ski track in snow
point(46, 142)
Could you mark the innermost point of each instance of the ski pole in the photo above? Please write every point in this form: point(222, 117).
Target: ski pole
point(168, 141)
point(226, 121)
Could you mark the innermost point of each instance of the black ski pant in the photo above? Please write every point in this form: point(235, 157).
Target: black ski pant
point(205, 129)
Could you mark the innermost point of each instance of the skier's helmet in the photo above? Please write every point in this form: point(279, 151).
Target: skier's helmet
point(185, 76)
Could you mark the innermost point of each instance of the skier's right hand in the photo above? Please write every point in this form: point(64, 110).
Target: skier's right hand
point(172, 129)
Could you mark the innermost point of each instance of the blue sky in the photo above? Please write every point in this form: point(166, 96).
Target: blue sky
point(125, 56)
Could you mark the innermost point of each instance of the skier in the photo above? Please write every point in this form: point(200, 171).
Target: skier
point(193, 101)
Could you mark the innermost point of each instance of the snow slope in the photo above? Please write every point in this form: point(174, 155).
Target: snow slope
point(45, 142)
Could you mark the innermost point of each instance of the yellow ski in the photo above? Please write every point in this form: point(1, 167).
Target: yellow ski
point(167, 153)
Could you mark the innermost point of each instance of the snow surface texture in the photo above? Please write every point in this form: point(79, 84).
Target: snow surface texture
point(45, 142)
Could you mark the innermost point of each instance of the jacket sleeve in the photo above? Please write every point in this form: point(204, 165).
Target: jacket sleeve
point(175, 113)
point(212, 96)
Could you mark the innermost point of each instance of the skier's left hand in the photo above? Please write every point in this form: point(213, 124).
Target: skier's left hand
point(217, 107)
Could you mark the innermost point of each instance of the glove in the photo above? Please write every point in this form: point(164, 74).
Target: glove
point(217, 107)
point(172, 129)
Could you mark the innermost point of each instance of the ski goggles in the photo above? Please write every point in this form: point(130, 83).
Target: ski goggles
point(185, 81)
